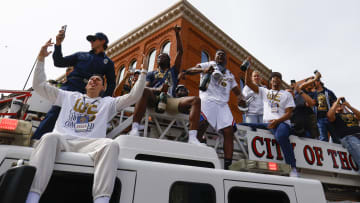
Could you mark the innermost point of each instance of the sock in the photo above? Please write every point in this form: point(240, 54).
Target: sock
point(227, 163)
point(33, 197)
point(135, 125)
point(192, 134)
point(102, 200)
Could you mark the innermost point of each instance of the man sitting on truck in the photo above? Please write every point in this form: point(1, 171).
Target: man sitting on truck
point(165, 79)
point(81, 127)
point(345, 120)
point(278, 107)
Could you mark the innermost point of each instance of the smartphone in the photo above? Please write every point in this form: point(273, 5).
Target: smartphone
point(315, 72)
point(292, 81)
point(64, 28)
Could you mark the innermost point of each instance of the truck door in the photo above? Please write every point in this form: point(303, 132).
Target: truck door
point(253, 192)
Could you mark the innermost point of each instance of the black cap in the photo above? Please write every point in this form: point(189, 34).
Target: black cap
point(98, 35)
point(275, 74)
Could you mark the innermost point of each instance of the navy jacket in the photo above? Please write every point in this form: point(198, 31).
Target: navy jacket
point(85, 65)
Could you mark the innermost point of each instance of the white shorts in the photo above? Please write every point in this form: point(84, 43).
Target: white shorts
point(217, 115)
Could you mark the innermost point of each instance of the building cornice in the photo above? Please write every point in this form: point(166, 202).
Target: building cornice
point(190, 13)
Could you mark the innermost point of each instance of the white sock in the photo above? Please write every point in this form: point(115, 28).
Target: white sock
point(33, 197)
point(102, 200)
point(135, 125)
point(192, 134)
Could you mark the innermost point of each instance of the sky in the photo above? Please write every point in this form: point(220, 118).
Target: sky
point(292, 37)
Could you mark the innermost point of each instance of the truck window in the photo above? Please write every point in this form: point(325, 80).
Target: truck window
point(73, 187)
point(252, 195)
point(188, 192)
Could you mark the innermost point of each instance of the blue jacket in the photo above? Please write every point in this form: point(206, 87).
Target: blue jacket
point(85, 65)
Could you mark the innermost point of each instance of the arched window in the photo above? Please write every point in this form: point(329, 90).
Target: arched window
point(204, 56)
point(166, 47)
point(152, 60)
point(132, 66)
point(120, 74)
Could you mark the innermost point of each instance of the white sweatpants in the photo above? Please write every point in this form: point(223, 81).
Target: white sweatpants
point(103, 151)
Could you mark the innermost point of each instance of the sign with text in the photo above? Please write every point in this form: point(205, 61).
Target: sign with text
point(309, 153)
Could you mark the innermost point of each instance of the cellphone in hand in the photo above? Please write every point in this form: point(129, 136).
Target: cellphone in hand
point(292, 81)
point(64, 28)
point(342, 100)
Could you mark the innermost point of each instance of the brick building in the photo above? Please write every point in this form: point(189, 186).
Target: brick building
point(200, 38)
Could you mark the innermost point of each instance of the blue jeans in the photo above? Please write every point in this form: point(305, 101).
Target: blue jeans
point(352, 144)
point(253, 118)
point(281, 133)
point(325, 127)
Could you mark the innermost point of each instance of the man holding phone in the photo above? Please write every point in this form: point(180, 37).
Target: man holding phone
point(345, 120)
point(85, 65)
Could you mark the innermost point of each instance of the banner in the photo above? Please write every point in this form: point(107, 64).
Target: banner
point(309, 153)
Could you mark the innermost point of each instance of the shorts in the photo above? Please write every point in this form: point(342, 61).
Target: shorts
point(217, 115)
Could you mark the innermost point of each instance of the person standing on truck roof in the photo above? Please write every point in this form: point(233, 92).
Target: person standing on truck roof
point(324, 100)
point(345, 120)
point(278, 107)
point(255, 104)
point(165, 79)
point(214, 101)
point(85, 65)
point(80, 127)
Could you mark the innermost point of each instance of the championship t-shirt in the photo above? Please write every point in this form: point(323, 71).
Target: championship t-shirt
point(321, 103)
point(82, 116)
point(275, 102)
point(156, 79)
point(218, 89)
point(346, 124)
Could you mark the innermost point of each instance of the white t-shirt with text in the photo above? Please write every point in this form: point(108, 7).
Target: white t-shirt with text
point(275, 102)
point(218, 90)
point(98, 112)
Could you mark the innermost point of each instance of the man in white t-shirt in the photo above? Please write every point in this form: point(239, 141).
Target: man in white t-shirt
point(278, 106)
point(255, 102)
point(214, 101)
point(80, 127)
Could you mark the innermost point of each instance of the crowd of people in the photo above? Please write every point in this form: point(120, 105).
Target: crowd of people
point(306, 109)
point(83, 106)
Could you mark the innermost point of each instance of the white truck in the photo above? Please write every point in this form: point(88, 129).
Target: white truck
point(161, 170)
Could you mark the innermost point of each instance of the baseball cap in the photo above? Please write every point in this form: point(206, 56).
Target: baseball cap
point(137, 71)
point(98, 35)
point(276, 74)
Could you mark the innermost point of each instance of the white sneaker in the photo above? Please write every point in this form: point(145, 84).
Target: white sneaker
point(294, 173)
point(196, 142)
point(141, 127)
point(134, 132)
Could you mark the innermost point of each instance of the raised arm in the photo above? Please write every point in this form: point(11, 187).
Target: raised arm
point(332, 111)
point(354, 110)
point(110, 79)
point(59, 60)
point(136, 92)
point(309, 82)
point(309, 101)
point(179, 48)
point(250, 83)
point(39, 81)
point(118, 90)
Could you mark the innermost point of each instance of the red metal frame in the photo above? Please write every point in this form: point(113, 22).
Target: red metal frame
point(22, 95)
